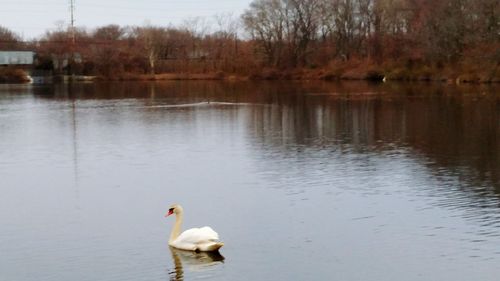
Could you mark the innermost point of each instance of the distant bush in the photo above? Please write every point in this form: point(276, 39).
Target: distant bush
point(328, 76)
point(402, 74)
point(13, 75)
point(374, 75)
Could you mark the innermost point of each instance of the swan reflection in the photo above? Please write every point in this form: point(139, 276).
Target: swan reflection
point(192, 261)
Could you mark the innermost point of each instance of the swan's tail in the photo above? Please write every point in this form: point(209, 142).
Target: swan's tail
point(209, 247)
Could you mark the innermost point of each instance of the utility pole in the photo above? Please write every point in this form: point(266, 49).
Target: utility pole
point(71, 61)
point(72, 11)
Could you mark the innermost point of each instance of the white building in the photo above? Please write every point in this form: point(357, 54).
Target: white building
point(16, 58)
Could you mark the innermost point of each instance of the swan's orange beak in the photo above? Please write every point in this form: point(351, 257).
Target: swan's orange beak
point(169, 213)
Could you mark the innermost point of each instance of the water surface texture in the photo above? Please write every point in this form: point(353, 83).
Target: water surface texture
point(306, 181)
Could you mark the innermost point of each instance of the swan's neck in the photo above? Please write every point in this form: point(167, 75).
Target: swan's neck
point(176, 230)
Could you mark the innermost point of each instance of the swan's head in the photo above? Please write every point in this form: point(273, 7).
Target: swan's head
point(174, 209)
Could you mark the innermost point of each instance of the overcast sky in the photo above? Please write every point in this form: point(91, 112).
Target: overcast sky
point(31, 18)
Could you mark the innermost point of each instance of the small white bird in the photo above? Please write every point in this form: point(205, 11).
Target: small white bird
point(203, 239)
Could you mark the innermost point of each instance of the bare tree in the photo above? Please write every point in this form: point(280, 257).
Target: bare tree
point(9, 40)
point(155, 43)
point(302, 28)
point(266, 21)
point(110, 32)
point(225, 42)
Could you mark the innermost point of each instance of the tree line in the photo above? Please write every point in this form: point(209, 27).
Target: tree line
point(303, 32)
point(285, 34)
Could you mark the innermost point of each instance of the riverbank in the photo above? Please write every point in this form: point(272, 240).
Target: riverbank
point(352, 70)
point(464, 72)
point(390, 71)
point(360, 72)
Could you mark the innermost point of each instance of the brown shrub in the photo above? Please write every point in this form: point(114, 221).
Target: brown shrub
point(13, 75)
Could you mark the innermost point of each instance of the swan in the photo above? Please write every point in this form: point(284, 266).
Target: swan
point(203, 239)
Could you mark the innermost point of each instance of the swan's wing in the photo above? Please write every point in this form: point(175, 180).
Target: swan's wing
point(198, 235)
point(209, 232)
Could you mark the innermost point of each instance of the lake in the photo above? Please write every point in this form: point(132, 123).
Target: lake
point(302, 181)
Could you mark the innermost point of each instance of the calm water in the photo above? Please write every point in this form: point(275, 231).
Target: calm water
point(302, 181)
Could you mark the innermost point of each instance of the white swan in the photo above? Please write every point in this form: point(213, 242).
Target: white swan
point(203, 239)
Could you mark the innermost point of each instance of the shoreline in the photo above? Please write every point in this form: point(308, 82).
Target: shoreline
point(268, 74)
point(316, 75)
